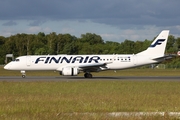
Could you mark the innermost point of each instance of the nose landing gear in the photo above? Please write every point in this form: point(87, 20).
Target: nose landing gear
point(23, 73)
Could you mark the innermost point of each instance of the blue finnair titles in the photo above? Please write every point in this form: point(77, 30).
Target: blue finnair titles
point(72, 59)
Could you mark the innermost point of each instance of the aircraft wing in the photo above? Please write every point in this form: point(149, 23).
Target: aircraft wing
point(93, 67)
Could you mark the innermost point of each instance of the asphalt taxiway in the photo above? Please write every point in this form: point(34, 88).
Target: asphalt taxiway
point(76, 78)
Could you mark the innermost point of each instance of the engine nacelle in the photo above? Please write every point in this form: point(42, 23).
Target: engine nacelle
point(69, 71)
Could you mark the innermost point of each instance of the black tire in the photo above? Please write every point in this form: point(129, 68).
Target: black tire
point(23, 76)
point(88, 75)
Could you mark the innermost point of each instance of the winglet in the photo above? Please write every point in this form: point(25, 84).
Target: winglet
point(157, 47)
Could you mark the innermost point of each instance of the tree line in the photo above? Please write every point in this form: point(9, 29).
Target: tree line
point(89, 43)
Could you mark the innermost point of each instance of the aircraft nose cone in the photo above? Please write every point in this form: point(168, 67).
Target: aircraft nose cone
point(6, 67)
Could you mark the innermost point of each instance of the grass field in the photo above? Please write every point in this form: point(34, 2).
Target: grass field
point(76, 99)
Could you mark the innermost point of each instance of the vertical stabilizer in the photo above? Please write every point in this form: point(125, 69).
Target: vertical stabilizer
point(157, 47)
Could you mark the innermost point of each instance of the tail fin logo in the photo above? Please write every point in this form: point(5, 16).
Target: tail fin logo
point(158, 42)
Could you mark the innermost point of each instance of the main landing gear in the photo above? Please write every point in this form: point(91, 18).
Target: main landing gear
point(88, 75)
point(23, 73)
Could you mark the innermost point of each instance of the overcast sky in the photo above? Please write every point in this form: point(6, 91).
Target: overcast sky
point(114, 20)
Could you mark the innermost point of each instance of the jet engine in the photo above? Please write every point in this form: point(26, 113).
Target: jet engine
point(69, 71)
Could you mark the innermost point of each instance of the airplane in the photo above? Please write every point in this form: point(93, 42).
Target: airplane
point(72, 65)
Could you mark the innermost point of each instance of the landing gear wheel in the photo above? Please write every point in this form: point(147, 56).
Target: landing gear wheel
point(23, 76)
point(88, 75)
point(85, 75)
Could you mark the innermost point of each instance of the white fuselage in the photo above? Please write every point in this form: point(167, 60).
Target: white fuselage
point(57, 62)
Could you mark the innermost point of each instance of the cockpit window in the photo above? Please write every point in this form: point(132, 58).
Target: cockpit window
point(17, 60)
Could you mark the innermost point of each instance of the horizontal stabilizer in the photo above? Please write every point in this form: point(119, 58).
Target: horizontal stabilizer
point(166, 57)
